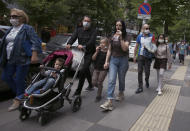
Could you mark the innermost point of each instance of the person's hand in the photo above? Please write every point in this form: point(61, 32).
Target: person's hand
point(98, 48)
point(54, 74)
point(68, 46)
point(34, 58)
point(134, 59)
point(106, 65)
point(41, 66)
point(80, 47)
point(118, 32)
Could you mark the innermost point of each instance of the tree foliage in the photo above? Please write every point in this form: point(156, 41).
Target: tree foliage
point(3, 11)
point(169, 16)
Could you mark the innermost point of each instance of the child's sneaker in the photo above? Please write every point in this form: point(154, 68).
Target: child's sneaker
point(107, 105)
point(26, 95)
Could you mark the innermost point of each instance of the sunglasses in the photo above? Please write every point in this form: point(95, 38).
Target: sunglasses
point(147, 28)
point(14, 16)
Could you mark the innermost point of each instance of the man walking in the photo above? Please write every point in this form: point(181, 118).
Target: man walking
point(86, 36)
point(144, 56)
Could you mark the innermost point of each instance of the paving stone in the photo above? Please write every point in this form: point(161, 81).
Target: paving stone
point(98, 127)
point(123, 117)
point(180, 121)
point(183, 104)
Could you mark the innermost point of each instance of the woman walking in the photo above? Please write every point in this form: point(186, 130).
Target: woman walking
point(117, 61)
point(162, 57)
point(19, 48)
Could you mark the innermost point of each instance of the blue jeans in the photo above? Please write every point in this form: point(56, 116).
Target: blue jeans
point(46, 83)
point(118, 65)
point(14, 76)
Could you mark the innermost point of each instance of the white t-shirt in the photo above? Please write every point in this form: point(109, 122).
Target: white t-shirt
point(10, 39)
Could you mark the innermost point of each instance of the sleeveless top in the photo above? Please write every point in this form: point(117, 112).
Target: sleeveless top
point(116, 49)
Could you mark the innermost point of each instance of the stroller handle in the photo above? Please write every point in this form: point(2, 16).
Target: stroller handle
point(75, 47)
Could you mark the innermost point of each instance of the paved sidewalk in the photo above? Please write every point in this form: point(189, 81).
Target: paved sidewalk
point(143, 109)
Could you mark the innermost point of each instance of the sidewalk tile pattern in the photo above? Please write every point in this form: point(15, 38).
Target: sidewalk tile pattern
point(180, 73)
point(158, 114)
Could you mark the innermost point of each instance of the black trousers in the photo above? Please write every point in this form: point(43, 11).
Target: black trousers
point(143, 63)
point(84, 73)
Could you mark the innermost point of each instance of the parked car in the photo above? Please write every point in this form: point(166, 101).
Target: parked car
point(3, 87)
point(3, 30)
point(131, 49)
point(59, 42)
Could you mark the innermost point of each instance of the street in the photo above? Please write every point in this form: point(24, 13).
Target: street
point(127, 115)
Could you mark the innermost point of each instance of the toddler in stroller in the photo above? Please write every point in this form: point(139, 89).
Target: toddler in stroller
point(49, 80)
point(51, 98)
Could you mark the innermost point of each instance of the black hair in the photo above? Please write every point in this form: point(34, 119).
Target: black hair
point(157, 42)
point(87, 17)
point(123, 30)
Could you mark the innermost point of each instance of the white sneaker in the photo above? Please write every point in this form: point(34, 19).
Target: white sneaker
point(14, 106)
point(107, 105)
point(159, 92)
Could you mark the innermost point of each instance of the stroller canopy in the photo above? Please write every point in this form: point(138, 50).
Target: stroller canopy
point(60, 53)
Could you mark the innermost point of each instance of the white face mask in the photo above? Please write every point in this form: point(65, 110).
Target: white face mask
point(146, 32)
point(14, 22)
point(86, 24)
point(161, 41)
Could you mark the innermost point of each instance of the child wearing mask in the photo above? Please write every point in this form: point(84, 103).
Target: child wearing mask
point(162, 57)
point(100, 73)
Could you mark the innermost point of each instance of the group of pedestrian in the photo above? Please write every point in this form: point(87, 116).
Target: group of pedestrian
point(21, 45)
point(180, 49)
point(112, 56)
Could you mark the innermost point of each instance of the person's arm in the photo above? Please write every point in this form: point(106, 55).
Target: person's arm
point(73, 38)
point(108, 55)
point(35, 41)
point(135, 52)
point(124, 45)
point(96, 53)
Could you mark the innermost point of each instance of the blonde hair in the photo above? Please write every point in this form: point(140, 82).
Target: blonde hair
point(104, 39)
point(24, 16)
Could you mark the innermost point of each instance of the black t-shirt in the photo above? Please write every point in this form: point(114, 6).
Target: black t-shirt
point(100, 60)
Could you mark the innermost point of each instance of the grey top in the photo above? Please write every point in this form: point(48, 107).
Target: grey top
point(162, 52)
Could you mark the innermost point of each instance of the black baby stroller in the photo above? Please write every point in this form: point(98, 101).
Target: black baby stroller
point(52, 99)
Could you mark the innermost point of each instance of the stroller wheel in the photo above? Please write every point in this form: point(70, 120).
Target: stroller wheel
point(24, 113)
point(42, 119)
point(76, 103)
